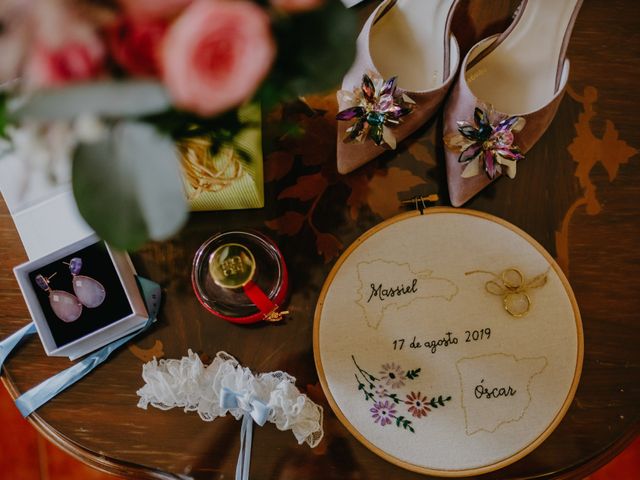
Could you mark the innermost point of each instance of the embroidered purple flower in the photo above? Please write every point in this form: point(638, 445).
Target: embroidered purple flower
point(374, 107)
point(487, 144)
point(417, 405)
point(383, 412)
point(392, 375)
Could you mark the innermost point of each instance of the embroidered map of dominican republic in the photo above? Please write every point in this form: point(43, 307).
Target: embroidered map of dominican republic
point(387, 285)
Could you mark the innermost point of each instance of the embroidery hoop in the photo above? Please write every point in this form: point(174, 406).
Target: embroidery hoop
point(491, 466)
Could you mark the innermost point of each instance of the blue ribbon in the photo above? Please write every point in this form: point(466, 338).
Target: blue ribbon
point(254, 411)
point(8, 344)
point(45, 391)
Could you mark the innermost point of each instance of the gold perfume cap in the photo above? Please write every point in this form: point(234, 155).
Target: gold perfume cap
point(232, 265)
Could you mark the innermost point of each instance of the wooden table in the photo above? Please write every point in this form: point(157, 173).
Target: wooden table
point(577, 193)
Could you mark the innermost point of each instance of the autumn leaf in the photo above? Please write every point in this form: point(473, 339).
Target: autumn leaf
point(288, 224)
point(277, 165)
point(328, 246)
point(315, 393)
point(615, 152)
point(421, 153)
point(384, 188)
point(306, 188)
point(359, 185)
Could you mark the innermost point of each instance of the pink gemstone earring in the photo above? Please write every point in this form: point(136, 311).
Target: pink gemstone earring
point(90, 292)
point(67, 307)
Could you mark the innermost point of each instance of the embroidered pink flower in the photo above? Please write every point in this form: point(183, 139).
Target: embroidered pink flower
point(154, 8)
point(392, 375)
point(418, 405)
point(383, 412)
point(381, 391)
point(295, 6)
point(216, 54)
point(135, 44)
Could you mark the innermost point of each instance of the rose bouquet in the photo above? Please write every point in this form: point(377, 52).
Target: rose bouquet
point(106, 88)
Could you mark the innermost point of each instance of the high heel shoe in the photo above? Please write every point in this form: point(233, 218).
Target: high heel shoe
point(507, 94)
point(403, 70)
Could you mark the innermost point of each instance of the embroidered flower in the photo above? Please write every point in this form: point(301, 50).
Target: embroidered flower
point(383, 412)
point(375, 106)
point(487, 144)
point(417, 405)
point(381, 391)
point(392, 375)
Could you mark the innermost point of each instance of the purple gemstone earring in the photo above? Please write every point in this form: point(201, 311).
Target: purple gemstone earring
point(90, 292)
point(67, 307)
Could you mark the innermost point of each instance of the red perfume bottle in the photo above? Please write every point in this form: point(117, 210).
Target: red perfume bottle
point(241, 276)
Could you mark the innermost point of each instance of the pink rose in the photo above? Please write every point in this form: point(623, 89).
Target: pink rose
point(294, 6)
point(135, 45)
point(216, 54)
point(154, 8)
point(72, 62)
point(66, 48)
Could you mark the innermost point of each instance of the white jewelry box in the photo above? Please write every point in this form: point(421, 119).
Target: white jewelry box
point(52, 231)
point(121, 312)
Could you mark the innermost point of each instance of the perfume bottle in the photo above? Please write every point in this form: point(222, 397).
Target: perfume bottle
point(241, 276)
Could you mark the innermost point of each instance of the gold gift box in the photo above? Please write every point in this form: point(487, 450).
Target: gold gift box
point(225, 181)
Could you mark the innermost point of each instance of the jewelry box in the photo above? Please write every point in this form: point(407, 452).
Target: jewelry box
point(81, 297)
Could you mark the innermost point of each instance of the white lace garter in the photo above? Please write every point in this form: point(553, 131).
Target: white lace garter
point(188, 384)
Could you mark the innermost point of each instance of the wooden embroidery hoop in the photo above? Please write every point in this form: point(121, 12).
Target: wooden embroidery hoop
point(418, 468)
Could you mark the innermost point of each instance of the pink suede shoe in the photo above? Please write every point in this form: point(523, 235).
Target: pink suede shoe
point(508, 92)
point(407, 40)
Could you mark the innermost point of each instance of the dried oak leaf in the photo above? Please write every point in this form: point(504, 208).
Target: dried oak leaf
point(306, 187)
point(318, 145)
point(615, 152)
point(328, 246)
point(384, 186)
point(422, 153)
point(277, 165)
point(288, 224)
point(359, 185)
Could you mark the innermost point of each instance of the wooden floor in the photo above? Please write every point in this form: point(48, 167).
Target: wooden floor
point(26, 455)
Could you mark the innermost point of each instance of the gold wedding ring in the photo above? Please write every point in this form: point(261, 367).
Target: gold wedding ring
point(232, 265)
point(517, 304)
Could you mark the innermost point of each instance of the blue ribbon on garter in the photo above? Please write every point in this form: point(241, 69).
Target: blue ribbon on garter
point(33, 399)
point(254, 411)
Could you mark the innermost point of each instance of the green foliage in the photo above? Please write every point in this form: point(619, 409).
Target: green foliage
point(222, 129)
point(411, 374)
point(106, 99)
point(4, 116)
point(128, 187)
point(394, 397)
point(402, 422)
point(435, 402)
point(315, 49)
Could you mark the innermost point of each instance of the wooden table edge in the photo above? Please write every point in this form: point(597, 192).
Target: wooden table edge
point(102, 463)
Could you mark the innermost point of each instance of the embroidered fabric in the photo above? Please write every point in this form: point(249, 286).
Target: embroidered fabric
point(189, 384)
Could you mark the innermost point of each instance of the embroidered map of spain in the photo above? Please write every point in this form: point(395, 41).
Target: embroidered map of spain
point(388, 285)
point(496, 389)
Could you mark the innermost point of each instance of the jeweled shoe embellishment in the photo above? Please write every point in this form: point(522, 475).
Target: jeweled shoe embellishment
point(90, 292)
point(375, 107)
point(64, 305)
point(487, 144)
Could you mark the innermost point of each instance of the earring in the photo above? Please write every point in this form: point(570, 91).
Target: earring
point(67, 307)
point(90, 292)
